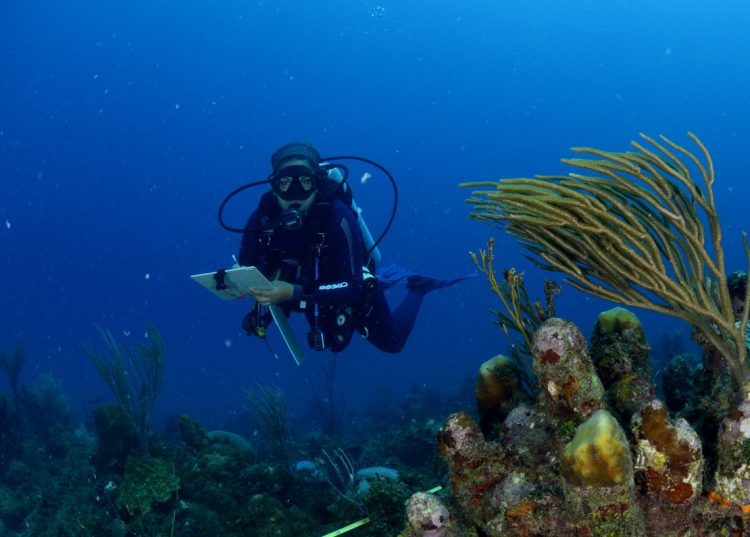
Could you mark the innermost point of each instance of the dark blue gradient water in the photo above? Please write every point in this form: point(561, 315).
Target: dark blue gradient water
point(124, 124)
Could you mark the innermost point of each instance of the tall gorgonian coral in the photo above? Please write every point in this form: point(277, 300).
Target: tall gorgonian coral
point(635, 228)
point(135, 375)
point(267, 407)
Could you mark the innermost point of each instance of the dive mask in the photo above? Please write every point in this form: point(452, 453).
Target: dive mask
point(294, 183)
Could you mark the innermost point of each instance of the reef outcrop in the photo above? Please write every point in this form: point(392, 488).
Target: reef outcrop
point(578, 462)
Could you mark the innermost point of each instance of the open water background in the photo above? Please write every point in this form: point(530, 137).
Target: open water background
point(124, 124)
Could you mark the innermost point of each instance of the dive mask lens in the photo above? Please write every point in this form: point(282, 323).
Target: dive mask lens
point(294, 183)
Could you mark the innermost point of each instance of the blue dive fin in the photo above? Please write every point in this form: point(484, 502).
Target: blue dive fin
point(425, 284)
point(393, 275)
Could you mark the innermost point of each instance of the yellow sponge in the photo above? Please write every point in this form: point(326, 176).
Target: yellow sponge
point(617, 320)
point(497, 382)
point(598, 455)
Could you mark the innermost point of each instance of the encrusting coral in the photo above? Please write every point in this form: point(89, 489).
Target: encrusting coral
point(669, 456)
point(428, 517)
point(562, 364)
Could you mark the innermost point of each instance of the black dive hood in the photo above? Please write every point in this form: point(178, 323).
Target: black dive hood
point(324, 168)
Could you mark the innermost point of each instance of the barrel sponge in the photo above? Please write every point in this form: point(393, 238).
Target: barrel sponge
point(598, 455)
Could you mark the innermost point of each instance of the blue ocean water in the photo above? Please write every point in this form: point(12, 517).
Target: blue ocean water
point(124, 124)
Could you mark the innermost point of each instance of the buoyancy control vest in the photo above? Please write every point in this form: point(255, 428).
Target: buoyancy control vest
point(289, 249)
point(300, 255)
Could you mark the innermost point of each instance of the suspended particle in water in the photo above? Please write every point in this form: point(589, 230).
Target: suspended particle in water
point(365, 177)
point(7, 224)
point(228, 343)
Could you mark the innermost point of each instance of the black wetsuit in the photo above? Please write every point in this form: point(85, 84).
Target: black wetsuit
point(325, 261)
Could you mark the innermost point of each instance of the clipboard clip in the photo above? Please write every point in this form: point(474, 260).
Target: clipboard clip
point(219, 276)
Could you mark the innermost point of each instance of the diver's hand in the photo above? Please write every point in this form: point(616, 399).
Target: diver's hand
point(280, 292)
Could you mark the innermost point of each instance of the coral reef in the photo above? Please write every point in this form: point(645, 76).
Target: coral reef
point(598, 473)
point(570, 465)
point(57, 478)
point(568, 462)
point(620, 354)
point(146, 482)
point(637, 229)
point(571, 386)
point(732, 480)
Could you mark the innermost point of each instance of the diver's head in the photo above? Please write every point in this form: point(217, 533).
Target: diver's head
point(296, 150)
point(296, 172)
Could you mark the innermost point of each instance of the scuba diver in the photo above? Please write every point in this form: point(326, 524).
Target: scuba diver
point(308, 237)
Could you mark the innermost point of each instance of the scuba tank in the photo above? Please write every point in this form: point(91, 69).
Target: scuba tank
point(371, 248)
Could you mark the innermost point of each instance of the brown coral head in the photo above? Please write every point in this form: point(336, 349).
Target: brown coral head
point(558, 335)
point(459, 433)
